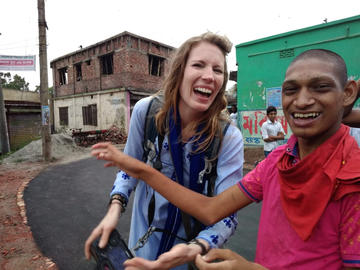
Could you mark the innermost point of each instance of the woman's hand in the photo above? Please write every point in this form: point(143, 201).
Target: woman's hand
point(178, 255)
point(104, 229)
point(225, 259)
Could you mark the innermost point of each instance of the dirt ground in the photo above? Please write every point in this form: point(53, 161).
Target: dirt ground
point(18, 249)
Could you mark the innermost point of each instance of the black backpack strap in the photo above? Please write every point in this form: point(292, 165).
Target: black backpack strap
point(150, 134)
point(209, 174)
point(212, 156)
point(157, 165)
point(150, 131)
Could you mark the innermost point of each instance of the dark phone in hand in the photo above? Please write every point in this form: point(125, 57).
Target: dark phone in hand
point(113, 255)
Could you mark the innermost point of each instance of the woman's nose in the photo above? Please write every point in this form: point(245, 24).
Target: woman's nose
point(208, 74)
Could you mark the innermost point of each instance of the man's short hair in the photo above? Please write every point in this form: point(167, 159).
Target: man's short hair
point(339, 63)
point(270, 109)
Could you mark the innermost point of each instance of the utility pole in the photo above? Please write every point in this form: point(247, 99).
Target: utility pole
point(4, 137)
point(44, 87)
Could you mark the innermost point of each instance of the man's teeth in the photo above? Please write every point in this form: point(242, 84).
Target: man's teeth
point(203, 90)
point(306, 115)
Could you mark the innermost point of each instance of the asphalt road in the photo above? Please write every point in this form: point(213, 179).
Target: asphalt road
point(65, 202)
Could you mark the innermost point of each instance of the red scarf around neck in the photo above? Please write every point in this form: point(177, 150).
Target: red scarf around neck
point(330, 172)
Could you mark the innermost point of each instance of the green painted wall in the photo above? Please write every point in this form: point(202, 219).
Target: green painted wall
point(262, 64)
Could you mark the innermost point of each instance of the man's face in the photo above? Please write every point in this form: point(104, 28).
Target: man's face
point(272, 116)
point(312, 99)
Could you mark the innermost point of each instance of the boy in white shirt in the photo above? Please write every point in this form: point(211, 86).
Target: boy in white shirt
point(271, 131)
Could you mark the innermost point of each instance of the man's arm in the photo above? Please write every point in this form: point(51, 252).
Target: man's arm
point(264, 134)
point(352, 119)
point(207, 210)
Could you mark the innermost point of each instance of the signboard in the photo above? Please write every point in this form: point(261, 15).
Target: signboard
point(273, 97)
point(21, 63)
point(45, 115)
point(251, 122)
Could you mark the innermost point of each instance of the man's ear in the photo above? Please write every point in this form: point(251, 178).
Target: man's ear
point(351, 92)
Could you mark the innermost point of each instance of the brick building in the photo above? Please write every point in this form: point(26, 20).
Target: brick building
point(96, 87)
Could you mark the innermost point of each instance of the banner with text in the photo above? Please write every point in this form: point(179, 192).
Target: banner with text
point(251, 122)
point(21, 63)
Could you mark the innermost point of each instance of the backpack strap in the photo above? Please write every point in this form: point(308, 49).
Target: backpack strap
point(208, 174)
point(211, 155)
point(150, 133)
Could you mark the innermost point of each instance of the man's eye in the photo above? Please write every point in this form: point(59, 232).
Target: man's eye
point(322, 87)
point(289, 89)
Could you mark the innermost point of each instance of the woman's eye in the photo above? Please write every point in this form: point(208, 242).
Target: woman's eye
point(219, 71)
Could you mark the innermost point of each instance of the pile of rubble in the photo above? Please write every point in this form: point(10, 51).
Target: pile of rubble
point(88, 138)
point(62, 147)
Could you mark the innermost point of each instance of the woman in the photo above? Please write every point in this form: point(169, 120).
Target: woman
point(188, 121)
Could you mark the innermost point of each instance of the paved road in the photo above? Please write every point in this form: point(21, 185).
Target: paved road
point(65, 202)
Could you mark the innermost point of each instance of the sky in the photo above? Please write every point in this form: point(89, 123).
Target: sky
point(72, 23)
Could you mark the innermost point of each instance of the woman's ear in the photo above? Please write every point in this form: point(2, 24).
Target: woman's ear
point(351, 92)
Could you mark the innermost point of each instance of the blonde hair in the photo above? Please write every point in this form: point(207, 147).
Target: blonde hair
point(171, 89)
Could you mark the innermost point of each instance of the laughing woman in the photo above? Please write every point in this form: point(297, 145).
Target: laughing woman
point(190, 120)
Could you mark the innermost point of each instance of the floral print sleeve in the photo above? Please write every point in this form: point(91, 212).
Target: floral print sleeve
point(124, 184)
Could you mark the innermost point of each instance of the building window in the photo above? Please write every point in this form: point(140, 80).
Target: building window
point(156, 65)
point(89, 114)
point(78, 72)
point(63, 74)
point(63, 116)
point(286, 53)
point(88, 62)
point(106, 62)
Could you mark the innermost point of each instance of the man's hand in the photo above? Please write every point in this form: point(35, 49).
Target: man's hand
point(104, 229)
point(178, 255)
point(107, 151)
point(225, 259)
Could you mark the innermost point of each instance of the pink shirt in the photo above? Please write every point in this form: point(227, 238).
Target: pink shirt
point(334, 243)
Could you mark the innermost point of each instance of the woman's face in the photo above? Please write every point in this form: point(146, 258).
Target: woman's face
point(203, 78)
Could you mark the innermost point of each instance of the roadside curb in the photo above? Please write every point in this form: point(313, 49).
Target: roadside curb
point(50, 265)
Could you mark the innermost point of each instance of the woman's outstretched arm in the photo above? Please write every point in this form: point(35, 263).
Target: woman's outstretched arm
point(208, 210)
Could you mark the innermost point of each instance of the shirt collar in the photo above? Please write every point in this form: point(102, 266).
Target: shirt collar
point(292, 147)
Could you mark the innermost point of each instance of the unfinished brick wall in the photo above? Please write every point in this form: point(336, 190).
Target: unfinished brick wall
point(130, 66)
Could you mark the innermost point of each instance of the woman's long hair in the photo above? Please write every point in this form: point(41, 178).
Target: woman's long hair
point(171, 88)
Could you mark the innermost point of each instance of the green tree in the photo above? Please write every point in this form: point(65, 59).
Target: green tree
point(17, 82)
point(4, 78)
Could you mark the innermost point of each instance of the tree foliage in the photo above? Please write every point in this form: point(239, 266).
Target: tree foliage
point(16, 82)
